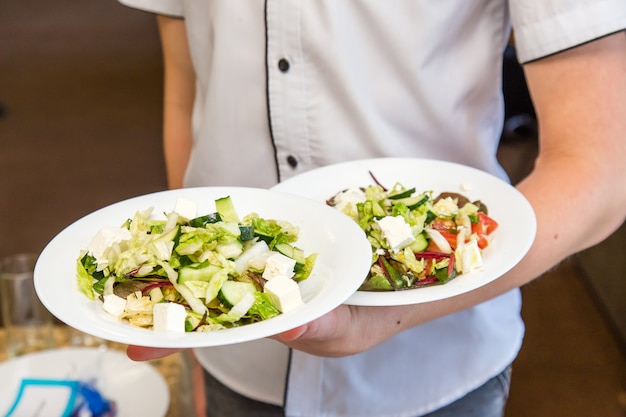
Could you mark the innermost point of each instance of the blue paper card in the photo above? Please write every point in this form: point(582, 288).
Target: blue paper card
point(44, 397)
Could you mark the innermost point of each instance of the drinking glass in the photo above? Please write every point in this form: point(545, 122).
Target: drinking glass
point(28, 325)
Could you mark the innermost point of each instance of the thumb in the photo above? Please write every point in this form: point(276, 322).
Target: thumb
point(293, 334)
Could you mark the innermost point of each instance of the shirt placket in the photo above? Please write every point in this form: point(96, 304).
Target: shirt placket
point(286, 92)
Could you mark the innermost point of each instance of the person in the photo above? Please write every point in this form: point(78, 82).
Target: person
point(257, 92)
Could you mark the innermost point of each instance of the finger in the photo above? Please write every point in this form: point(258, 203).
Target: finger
point(140, 353)
point(292, 334)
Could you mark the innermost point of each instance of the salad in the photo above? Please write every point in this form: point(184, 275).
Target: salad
point(418, 239)
point(191, 273)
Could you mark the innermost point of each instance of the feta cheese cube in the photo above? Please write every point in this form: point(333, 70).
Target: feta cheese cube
point(278, 265)
point(186, 208)
point(396, 231)
point(169, 317)
point(468, 257)
point(349, 198)
point(284, 293)
point(114, 305)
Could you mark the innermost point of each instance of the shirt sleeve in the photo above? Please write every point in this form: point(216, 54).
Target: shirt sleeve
point(545, 27)
point(164, 7)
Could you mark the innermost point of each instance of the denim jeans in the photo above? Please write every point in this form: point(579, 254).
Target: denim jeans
point(488, 400)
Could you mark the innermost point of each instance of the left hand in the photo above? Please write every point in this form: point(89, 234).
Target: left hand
point(329, 335)
point(344, 331)
point(348, 329)
point(333, 335)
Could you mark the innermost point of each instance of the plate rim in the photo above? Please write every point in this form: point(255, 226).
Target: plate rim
point(144, 337)
point(84, 353)
point(425, 294)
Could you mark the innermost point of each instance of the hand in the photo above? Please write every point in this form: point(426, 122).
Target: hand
point(328, 335)
point(345, 331)
point(141, 353)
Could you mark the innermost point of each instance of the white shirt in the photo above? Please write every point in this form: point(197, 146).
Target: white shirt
point(285, 86)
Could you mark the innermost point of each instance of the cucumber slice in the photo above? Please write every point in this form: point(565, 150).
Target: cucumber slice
point(233, 291)
point(230, 250)
point(204, 220)
point(226, 209)
point(402, 194)
point(413, 202)
point(292, 252)
point(247, 233)
point(419, 244)
point(197, 272)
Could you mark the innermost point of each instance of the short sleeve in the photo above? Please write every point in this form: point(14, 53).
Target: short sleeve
point(165, 7)
point(545, 27)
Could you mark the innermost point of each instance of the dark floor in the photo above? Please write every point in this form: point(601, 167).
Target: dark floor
point(80, 96)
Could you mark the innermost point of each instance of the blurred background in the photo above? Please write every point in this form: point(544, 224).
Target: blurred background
point(80, 125)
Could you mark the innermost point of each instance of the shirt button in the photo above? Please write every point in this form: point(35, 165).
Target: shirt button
point(283, 65)
point(292, 161)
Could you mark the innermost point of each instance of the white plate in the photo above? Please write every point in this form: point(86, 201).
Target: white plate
point(323, 230)
point(136, 387)
point(506, 205)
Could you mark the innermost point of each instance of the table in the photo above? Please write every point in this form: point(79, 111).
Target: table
point(176, 369)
